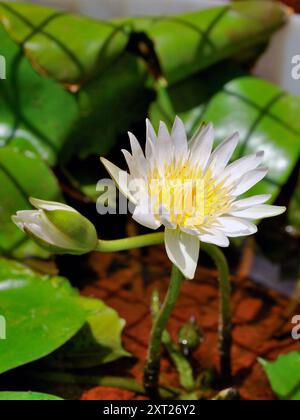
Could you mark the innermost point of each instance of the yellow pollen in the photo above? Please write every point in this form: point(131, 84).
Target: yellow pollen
point(189, 197)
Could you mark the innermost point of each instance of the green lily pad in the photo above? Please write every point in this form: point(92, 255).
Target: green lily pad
point(97, 343)
point(187, 43)
point(21, 176)
point(42, 313)
point(36, 113)
point(72, 49)
point(284, 376)
point(27, 396)
point(68, 48)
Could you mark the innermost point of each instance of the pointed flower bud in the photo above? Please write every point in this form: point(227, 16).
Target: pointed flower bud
point(58, 228)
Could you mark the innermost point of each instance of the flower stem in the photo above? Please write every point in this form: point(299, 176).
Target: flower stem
point(130, 243)
point(152, 367)
point(225, 323)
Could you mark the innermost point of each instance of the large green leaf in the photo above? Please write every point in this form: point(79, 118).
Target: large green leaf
point(71, 48)
point(97, 343)
point(67, 47)
point(191, 42)
point(36, 113)
point(21, 176)
point(27, 396)
point(40, 115)
point(284, 376)
point(109, 104)
point(41, 313)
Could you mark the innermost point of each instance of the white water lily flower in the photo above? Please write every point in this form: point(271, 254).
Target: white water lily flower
point(192, 190)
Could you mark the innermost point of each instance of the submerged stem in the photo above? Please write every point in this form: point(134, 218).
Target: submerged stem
point(225, 323)
point(152, 367)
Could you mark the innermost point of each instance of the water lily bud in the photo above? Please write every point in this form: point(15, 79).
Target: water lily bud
point(58, 228)
point(190, 336)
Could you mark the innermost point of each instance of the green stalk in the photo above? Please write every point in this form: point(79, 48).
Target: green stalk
point(225, 323)
point(183, 366)
point(130, 243)
point(152, 367)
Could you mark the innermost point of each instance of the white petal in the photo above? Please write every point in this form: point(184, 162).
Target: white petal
point(165, 218)
point(144, 217)
point(150, 132)
point(165, 148)
point(249, 180)
point(234, 226)
point(202, 146)
point(250, 201)
point(215, 237)
point(50, 234)
point(151, 138)
point(191, 231)
point(221, 156)
point(179, 137)
point(39, 225)
point(26, 216)
point(196, 135)
point(259, 212)
point(129, 160)
point(45, 235)
point(240, 167)
point(50, 205)
point(151, 157)
point(133, 166)
point(120, 177)
point(183, 251)
point(163, 134)
point(136, 149)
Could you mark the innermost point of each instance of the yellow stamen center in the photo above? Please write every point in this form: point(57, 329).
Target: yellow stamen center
point(188, 196)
